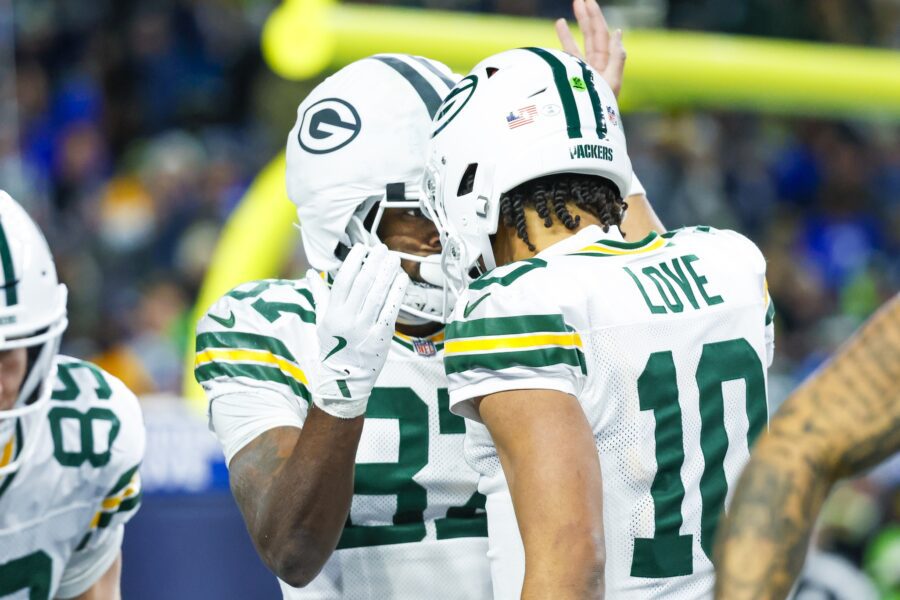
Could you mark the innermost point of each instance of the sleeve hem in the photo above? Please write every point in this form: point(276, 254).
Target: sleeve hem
point(234, 441)
point(82, 581)
point(462, 400)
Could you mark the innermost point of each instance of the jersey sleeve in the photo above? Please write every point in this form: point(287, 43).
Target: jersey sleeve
point(250, 360)
point(505, 336)
point(753, 259)
point(121, 496)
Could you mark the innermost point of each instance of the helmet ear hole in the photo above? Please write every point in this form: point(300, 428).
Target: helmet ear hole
point(490, 71)
point(467, 181)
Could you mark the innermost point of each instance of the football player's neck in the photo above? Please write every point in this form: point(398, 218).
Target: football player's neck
point(419, 331)
point(509, 247)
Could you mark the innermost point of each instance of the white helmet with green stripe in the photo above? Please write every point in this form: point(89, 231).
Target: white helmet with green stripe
point(519, 115)
point(32, 316)
point(358, 148)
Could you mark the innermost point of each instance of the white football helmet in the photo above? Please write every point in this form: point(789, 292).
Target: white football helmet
point(517, 116)
point(358, 148)
point(33, 316)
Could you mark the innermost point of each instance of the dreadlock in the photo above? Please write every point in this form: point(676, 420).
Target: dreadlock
point(551, 195)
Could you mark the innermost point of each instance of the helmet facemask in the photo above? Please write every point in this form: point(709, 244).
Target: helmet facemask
point(21, 422)
point(424, 300)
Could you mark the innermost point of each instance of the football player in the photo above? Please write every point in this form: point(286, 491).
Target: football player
point(841, 421)
point(407, 521)
point(71, 437)
point(338, 505)
point(577, 347)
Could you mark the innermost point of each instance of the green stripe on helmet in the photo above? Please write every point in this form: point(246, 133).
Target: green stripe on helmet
point(9, 276)
point(595, 100)
point(566, 96)
point(421, 85)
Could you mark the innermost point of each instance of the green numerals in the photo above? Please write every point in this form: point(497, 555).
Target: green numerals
point(85, 421)
point(667, 553)
point(720, 362)
point(32, 572)
point(71, 389)
point(396, 479)
point(87, 450)
point(390, 479)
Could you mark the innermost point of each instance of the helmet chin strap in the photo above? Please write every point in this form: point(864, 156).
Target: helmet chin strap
point(421, 304)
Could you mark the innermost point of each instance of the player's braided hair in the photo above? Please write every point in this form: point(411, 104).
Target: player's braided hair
point(550, 195)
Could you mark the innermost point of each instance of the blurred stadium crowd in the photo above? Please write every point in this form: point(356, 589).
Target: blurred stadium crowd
point(131, 129)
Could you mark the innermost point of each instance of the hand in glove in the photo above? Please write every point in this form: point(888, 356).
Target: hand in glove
point(355, 323)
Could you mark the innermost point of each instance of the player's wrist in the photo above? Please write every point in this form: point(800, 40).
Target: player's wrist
point(636, 188)
point(340, 394)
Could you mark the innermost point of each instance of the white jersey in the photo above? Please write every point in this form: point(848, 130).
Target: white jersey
point(665, 343)
point(417, 525)
point(62, 514)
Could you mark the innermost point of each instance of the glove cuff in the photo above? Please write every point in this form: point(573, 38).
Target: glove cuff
point(333, 395)
point(342, 408)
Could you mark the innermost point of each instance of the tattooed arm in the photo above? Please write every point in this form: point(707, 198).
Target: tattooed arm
point(842, 420)
point(294, 488)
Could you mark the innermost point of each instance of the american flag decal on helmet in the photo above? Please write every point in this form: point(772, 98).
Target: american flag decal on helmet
point(523, 116)
point(8, 286)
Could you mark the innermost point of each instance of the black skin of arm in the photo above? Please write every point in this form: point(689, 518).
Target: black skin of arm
point(294, 488)
point(841, 421)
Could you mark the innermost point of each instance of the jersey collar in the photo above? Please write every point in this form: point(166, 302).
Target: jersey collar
point(585, 237)
point(423, 346)
point(593, 241)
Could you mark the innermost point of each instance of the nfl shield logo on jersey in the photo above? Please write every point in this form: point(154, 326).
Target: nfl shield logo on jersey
point(424, 347)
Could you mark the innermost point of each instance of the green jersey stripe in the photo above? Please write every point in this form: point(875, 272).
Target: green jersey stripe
point(243, 341)
point(209, 371)
point(124, 480)
point(495, 361)
point(491, 326)
point(770, 312)
point(566, 96)
point(595, 100)
point(486, 279)
point(9, 276)
point(629, 245)
point(125, 506)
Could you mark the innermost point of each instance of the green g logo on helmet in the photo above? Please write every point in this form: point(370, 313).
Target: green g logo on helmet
point(455, 101)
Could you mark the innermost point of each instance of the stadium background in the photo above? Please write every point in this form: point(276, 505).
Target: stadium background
point(131, 130)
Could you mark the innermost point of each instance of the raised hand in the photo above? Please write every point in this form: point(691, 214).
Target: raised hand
point(355, 322)
point(602, 51)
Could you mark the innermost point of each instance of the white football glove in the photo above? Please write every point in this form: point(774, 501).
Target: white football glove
point(355, 323)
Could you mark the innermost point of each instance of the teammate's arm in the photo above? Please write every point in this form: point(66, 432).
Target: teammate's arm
point(294, 487)
point(107, 587)
point(844, 419)
point(605, 52)
point(550, 461)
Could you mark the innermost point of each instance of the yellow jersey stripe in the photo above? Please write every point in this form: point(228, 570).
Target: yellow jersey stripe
point(436, 338)
point(129, 492)
point(261, 356)
point(512, 343)
point(598, 247)
point(8, 451)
